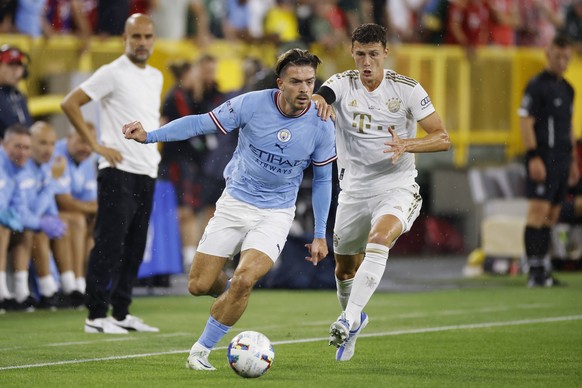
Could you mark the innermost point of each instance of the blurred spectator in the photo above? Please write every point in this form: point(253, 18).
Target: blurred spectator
point(111, 16)
point(404, 19)
point(171, 19)
point(573, 24)
point(357, 12)
point(435, 16)
point(504, 18)
point(181, 160)
point(41, 214)
point(236, 23)
point(14, 154)
point(30, 18)
point(7, 13)
point(144, 6)
point(206, 94)
point(76, 196)
point(257, 12)
point(13, 104)
point(281, 23)
point(16, 147)
point(67, 17)
point(468, 24)
point(538, 22)
point(379, 12)
point(329, 25)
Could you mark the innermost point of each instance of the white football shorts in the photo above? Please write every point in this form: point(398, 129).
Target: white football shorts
point(237, 226)
point(355, 216)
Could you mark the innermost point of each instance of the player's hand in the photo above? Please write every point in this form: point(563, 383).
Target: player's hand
point(135, 131)
point(317, 249)
point(58, 167)
point(397, 145)
point(537, 169)
point(324, 110)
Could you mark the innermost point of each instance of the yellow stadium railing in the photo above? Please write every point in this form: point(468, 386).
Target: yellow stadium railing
point(477, 98)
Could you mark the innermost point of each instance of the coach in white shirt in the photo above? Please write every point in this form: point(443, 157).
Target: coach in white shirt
point(127, 89)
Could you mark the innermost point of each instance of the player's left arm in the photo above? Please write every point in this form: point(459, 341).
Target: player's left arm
point(437, 139)
point(321, 202)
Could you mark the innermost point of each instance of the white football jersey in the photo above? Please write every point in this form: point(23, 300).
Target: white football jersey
point(362, 123)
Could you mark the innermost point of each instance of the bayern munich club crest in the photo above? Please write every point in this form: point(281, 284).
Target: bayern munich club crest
point(284, 135)
point(393, 105)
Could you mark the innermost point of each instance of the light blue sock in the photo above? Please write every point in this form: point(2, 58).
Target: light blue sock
point(213, 332)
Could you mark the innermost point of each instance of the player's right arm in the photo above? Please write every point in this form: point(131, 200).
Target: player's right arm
point(176, 130)
point(71, 106)
point(224, 119)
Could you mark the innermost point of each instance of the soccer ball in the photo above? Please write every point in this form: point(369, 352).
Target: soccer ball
point(250, 354)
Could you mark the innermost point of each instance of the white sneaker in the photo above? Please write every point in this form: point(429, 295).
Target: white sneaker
point(132, 323)
point(102, 325)
point(347, 350)
point(339, 331)
point(198, 360)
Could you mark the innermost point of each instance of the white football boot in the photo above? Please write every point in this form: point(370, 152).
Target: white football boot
point(133, 323)
point(339, 331)
point(198, 359)
point(102, 325)
point(346, 351)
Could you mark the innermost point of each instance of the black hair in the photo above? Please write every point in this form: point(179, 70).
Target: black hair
point(178, 69)
point(296, 57)
point(370, 33)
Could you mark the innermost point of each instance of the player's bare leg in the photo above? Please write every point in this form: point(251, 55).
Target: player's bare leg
point(228, 307)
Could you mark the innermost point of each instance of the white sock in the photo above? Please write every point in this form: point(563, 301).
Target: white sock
point(81, 285)
point(4, 293)
point(21, 291)
point(68, 283)
point(47, 286)
point(366, 281)
point(344, 289)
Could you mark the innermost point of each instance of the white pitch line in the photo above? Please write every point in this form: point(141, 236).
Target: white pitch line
point(305, 340)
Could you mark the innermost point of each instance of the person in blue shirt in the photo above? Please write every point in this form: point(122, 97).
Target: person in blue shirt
point(279, 136)
point(14, 153)
point(76, 197)
point(37, 185)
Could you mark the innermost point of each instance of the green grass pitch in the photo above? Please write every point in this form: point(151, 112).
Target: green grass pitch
point(489, 332)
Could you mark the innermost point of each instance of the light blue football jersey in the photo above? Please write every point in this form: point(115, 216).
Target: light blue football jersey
point(78, 180)
point(273, 149)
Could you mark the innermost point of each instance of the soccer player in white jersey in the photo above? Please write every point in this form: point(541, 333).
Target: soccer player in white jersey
point(377, 111)
point(280, 134)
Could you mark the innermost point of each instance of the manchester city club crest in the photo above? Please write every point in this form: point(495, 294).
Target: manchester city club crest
point(393, 105)
point(284, 135)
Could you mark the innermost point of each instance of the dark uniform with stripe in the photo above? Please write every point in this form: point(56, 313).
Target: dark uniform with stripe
point(549, 100)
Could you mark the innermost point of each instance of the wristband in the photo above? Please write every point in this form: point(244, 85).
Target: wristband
point(531, 154)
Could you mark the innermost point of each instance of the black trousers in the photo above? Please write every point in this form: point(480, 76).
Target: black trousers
point(124, 207)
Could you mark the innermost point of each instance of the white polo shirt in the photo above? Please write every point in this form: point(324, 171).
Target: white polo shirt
point(127, 93)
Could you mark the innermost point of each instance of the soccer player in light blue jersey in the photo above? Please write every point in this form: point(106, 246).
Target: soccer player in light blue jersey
point(280, 135)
